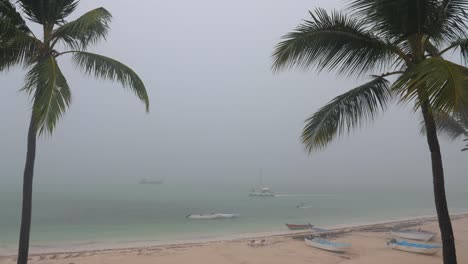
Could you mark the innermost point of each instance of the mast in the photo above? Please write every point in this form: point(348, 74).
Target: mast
point(261, 178)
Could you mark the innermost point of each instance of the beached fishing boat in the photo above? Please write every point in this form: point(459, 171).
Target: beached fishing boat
point(327, 245)
point(299, 226)
point(212, 216)
point(413, 235)
point(426, 249)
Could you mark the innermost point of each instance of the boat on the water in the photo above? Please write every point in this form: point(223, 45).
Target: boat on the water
point(427, 249)
point(327, 245)
point(413, 235)
point(299, 226)
point(303, 206)
point(212, 216)
point(262, 191)
point(265, 192)
point(146, 181)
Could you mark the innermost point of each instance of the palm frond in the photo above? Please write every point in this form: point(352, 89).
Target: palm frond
point(461, 44)
point(8, 12)
point(403, 18)
point(447, 125)
point(334, 42)
point(17, 46)
point(48, 12)
point(110, 69)
point(51, 94)
point(345, 113)
point(86, 30)
point(442, 83)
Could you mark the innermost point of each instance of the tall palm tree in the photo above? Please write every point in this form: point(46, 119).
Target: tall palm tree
point(404, 40)
point(453, 125)
point(44, 82)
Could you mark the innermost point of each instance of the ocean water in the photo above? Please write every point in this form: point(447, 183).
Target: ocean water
point(119, 213)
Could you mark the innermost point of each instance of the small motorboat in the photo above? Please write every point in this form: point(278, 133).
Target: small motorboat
point(212, 216)
point(427, 249)
point(327, 245)
point(299, 226)
point(413, 235)
point(303, 206)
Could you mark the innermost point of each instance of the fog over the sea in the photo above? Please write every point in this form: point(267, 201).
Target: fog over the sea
point(218, 114)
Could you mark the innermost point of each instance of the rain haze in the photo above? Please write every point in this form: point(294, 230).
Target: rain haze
point(218, 156)
point(218, 114)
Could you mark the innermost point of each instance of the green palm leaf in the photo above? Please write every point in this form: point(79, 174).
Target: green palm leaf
point(402, 18)
point(48, 12)
point(17, 46)
point(86, 30)
point(334, 41)
point(51, 94)
point(443, 83)
point(8, 11)
point(110, 69)
point(346, 112)
point(447, 125)
point(462, 45)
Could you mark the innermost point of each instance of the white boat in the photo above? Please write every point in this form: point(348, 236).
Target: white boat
point(413, 235)
point(426, 249)
point(327, 245)
point(265, 191)
point(212, 216)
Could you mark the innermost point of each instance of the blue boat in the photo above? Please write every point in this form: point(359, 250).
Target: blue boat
point(427, 249)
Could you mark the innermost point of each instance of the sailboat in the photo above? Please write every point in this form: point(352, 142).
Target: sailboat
point(263, 191)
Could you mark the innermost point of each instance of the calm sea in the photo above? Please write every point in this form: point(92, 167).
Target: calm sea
point(120, 213)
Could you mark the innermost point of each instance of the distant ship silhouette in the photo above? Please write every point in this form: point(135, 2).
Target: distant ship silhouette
point(146, 181)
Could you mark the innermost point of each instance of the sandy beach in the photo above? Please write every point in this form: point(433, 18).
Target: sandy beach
point(368, 246)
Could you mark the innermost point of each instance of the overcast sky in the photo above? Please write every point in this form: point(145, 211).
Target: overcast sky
point(217, 111)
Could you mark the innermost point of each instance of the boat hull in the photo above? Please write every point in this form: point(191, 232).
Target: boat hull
point(212, 216)
point(413, 235)
point(299, 226)
point(327, 245)
point(425, 249)
point(258, 194)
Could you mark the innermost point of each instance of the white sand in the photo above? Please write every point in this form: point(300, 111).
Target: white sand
point(367, 247)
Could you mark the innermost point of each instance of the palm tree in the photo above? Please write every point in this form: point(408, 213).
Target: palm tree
point(453, 125)
point(44, 82)
point(404, 40)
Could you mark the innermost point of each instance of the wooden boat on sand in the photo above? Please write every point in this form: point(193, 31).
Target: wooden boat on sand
point(327, 245)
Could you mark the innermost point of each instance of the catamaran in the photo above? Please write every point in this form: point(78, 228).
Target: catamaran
point(263, 191)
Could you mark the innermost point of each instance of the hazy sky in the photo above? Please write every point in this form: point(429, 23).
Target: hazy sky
point(217, 111)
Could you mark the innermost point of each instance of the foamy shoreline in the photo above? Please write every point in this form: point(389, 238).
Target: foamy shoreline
point(148, 244)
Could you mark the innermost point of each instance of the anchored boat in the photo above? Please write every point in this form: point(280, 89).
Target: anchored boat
point(212, 216)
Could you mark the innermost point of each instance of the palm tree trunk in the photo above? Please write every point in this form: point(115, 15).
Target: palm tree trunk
point(23, 248)
point(445, 225)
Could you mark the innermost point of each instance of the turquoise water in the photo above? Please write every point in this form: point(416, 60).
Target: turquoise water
point(80, 214)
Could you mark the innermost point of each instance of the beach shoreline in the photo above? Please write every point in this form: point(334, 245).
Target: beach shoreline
point(155, 245)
